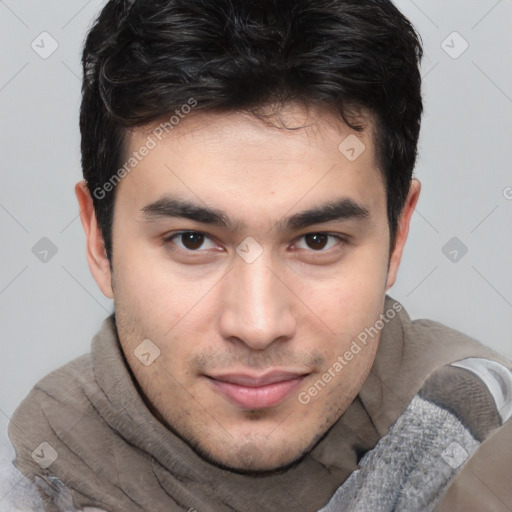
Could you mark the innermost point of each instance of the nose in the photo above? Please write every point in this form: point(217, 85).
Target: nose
point(257, 305)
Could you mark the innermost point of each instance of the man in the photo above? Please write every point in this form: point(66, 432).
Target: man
point(247, 198)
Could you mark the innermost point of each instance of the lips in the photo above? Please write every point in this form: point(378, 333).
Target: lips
point(256, 392)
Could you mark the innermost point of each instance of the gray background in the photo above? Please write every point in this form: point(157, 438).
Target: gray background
point(49, 310)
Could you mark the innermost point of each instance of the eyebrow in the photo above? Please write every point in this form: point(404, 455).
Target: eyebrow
point(342, 209)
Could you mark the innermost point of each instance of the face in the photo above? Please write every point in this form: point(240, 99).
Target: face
point(251, 257)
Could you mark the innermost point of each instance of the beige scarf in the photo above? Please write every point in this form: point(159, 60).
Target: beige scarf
point(115, 455)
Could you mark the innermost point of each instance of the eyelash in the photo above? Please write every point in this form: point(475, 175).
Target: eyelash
point(342, 242)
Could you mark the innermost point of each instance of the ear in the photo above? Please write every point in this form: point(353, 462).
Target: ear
point(403, 231)
point(96, 254)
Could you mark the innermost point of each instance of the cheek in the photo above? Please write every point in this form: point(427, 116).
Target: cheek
point(349, 300)
point(157, 303)
point(348, 305)
point(144, 284)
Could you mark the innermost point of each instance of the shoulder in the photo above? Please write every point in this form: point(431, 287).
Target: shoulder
point(484, 404)
point(61, 395)
point(458, 410)
point(476, 390)
point(47, 413)
point(67, 386)
point(433, 337)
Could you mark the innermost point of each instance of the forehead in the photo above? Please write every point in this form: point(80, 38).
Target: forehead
point(298, 125)
point(298, 155)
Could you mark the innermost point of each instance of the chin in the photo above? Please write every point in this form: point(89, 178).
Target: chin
point(249, 459)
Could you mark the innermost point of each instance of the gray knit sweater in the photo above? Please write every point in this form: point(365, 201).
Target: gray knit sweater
point(411, 467)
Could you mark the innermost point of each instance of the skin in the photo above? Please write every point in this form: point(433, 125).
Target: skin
point(297, 307)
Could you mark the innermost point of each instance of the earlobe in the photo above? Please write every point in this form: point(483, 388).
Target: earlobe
point(403, 231)
point(95, 246)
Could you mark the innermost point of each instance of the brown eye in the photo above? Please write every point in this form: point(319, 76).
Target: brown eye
point(320, 242)
point(192, 240)
point(316, 241)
